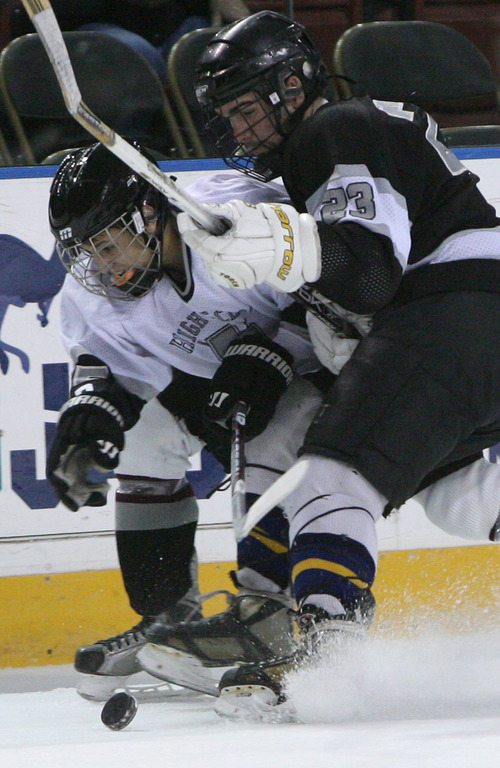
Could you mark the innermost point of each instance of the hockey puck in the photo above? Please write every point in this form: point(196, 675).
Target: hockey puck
point(119, 711)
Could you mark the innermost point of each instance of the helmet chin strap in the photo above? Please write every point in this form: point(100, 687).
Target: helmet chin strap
point(270, 165)
point(280, 100)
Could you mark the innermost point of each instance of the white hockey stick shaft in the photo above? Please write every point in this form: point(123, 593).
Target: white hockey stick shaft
point(46, 24)
point(238, 481)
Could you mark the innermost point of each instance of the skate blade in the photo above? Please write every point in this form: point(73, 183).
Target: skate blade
point(253, 703)
point(99, 687)
point(163, 691)
point(102, 687)
point(180, 668)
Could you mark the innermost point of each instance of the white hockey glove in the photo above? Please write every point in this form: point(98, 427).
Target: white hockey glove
point(267, 243)
point(333, 349)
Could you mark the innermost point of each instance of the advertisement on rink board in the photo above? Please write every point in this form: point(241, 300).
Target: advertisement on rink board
point(37, 534)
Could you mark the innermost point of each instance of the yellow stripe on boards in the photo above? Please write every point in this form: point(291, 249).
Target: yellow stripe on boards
point(45, 618)
point(325, 565)
point(451, 589)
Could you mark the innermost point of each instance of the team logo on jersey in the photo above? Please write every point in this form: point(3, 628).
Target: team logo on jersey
point(188, 331)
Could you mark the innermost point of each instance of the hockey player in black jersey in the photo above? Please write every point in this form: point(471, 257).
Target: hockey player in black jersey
point(385, 223)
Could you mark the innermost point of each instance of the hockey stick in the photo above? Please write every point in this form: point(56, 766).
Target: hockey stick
point(273, 497)
point(46, 24)
point(238, 484)
point(243, 520)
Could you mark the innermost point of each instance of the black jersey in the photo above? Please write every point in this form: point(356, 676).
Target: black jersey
point(397, 212)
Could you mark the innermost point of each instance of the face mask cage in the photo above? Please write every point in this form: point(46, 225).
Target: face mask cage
point(240, 153)
point(271, 94)
point(124, 264)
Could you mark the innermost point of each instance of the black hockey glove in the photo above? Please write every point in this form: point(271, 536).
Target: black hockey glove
point(185, 398)
point(90, 434)
point(255, 370)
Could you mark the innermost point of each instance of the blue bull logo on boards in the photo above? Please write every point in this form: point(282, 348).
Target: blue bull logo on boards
point(25, 278)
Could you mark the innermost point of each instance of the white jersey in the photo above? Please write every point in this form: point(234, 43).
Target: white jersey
point(141, 341)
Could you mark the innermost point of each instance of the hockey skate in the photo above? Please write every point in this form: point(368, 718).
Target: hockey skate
point(108, 664)
point(257, 692)
point(256, 627)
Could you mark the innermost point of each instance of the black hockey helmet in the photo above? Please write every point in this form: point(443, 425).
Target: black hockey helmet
point(258, 54)
point(92, 192)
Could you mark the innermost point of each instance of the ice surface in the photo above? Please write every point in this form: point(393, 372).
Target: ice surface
point(428, 701)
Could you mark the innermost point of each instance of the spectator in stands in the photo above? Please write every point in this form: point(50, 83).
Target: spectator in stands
point(151, 27)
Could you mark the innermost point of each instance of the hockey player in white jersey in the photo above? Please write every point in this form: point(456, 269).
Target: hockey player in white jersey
point(153, 338)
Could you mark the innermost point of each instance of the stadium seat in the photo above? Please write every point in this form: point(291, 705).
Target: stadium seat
point(116, 83)
point(472, 136)
point(5, 153)
point(422, 62)
point(181, 66)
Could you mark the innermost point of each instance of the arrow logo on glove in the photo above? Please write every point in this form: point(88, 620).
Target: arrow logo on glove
point(288, 254)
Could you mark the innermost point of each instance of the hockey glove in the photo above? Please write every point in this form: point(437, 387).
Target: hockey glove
point(185, 398)
point(267, 242)
point(255, 370)
point(90, 434)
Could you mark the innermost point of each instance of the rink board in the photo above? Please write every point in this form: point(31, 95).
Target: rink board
point(59, 583)
point(45, 618)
